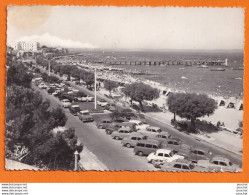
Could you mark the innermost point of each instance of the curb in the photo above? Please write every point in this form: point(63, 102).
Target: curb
point(194, 136)
point(90, 162)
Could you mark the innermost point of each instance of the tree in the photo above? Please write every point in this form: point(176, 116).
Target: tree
point(110, 85)
point(139, 92)
point(191, 106)
point(173, 104)
point(18, 74)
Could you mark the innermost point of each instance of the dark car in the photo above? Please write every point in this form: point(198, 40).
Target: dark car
point(195, 154)
point(62, 96)
point(113, 127)
point(111, 107)
point(74, 109)
point(104, 123)
point(174, 144)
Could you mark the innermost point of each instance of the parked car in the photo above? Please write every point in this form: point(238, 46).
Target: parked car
point(129, 125)
point(86, 98)
point(111, 107)
point(102, 103)
point(195, 154)
point(103, 123)
point(163, 136)
point(42, 86)
point(163, 155)
point(145, 147)
point(120, 120)
point(139, 125)
point(181, 165)
point(66, 103)
point(219, 163)
point(121, 133)
point(74, 109)
point(175, 144)
point(132, 140)
point(151, 131)
point(85, 116)
point(114, 126)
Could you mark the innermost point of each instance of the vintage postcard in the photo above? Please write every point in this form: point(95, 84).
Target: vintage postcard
point(124, 88)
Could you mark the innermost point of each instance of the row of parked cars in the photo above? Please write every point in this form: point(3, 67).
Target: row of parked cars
point(163, 150)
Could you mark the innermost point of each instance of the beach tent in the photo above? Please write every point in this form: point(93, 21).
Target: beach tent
point(168, 92)
point(230, 103)
point(239, 105)
point(221, 102)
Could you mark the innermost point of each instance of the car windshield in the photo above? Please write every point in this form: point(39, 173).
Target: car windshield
point(171, 154)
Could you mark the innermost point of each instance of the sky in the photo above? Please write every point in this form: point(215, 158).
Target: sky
point(128, 27)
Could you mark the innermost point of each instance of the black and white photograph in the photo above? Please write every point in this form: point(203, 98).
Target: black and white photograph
point(124, 88)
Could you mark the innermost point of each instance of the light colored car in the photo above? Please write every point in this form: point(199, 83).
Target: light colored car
point(66, 103)
point(87, 99)
point(219, 163)
point(85, 116)
point(132, 140)
point(102, 103)
point(150, 131)
point(163, 155)
point(181, 165)
point(139, 125)
point(121, 133)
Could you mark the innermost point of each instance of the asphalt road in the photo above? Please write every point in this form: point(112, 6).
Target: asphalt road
point(116, 157)
point(186, 139)
point(107, 150)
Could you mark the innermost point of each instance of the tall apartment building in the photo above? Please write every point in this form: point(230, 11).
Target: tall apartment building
point(24, 46)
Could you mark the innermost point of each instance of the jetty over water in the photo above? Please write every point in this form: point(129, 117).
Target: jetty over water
point(100, 60)
point(168, 62)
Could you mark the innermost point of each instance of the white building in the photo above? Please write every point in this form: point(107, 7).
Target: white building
point(24, 46)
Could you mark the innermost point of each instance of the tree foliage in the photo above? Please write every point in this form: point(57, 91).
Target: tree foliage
point(110, 85)
point(30, 122)
point(191, 106)
point(139, 92)
point(18, 74)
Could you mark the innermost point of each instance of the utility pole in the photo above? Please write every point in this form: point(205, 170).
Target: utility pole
point(76, 160)
point(95, 89)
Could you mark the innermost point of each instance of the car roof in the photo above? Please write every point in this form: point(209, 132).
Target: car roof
point(75, 106)
point(183, 161)
point(133, 134)
point(65, 100)
point(84, 111)
point(201, 149)
point(174, 139)
point(164, 133)
point(127, 123)
point(134, 121)
point(164, 150)
point(153, 127)
point(149, 141)
point(123, 128)
point(106, 119)
point(220, 158)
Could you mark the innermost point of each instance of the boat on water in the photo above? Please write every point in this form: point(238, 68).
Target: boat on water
point(203, 66)
point(217, 69)
point(240, 68)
